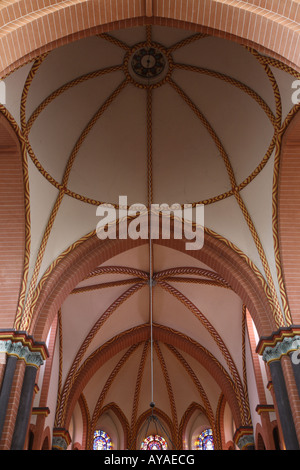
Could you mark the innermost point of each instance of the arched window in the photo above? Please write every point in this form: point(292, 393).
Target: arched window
point(154, 443)
point(102, 441)
point(205, 441)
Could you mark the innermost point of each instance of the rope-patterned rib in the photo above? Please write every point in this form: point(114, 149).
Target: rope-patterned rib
point(66, 87)
point(36, 65)
point(193, 280)
point(273, 62)
point(142, 418)
point(261, 165)
point(189, 270)
point(149, 146)
point(89, 127)
point(248, 261)
point(278, 314)
point(279, 319)
point(85, 409)
point(200, 389)
point(216, 337)
point(169, 388)
point(276, 123)
point(187, 41)
point(287, 69)
point(242, 86)
point(118, 270)
point(197, 346)
point(99, 323)
point(20, 133)
point(23, 287)
point(107, 386)
point(27, 315)
point(287, 120)
point(28, 310)
point(277, 96)
point(105, 285)
point(23, 324)
point(55, 183)
point(213, 358)
point(60, 345)
point(184, 421)
point(49, 270)
point(112, 406)
point(88, 361)
point(138, 384)
point(209, 128)
point(219, 420)
point(114, 40)
point(148, 34)
point(244, 361)
point(266, 62)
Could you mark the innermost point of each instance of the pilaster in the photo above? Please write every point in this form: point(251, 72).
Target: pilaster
point(282, 345)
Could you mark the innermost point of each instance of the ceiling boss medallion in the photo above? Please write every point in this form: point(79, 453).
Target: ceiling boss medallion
point(148, 62)
point(148, 65)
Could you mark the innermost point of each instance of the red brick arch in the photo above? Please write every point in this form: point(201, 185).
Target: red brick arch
point(31, 28)
point(137, 336)
point(12, 225)
point(289, 214)
point(116, 410)
point(79, 261)
point(86, 256)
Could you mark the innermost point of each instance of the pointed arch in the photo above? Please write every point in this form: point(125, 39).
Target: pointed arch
point(42, 29)
point(89, 252)
point(288, 213)
point(15, 222)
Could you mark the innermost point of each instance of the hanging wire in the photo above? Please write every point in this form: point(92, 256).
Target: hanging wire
point(152, 418)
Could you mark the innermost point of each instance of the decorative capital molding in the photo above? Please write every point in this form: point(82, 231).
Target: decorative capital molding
point(244, 437)
point(286, 346)
point(40, 411)
point(60, 439)
point(280, 343)
point(265, 409)
point(19, 344)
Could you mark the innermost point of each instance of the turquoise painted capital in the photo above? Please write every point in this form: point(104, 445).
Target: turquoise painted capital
point(11, 348)
point(286, 346)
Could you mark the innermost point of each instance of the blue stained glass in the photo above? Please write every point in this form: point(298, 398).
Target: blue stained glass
point(154, 443)
point(102, 441)
point(205, 441)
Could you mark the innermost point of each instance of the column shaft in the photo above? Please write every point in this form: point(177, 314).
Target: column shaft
point(284, 408)
point(24, 410)
point(8, 376)
point(295, 359)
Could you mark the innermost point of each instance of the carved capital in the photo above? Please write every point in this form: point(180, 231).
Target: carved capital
point(61, 439)
point(281, 348)
point(244, 438)
point(22, 346)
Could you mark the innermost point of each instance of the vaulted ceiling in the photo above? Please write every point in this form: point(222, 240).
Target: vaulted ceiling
point(200, 128)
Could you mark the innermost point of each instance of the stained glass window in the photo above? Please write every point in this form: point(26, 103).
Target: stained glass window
point(154, 443)
point(102, 441)
point(205, 441)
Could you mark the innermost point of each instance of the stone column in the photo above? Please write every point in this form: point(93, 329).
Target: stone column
point(281, 344)
point(7, 379)
point(294, 354)
point(19, 348)
point(24, 410)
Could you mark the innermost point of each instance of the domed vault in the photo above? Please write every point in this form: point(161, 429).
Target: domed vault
point(158, 115)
